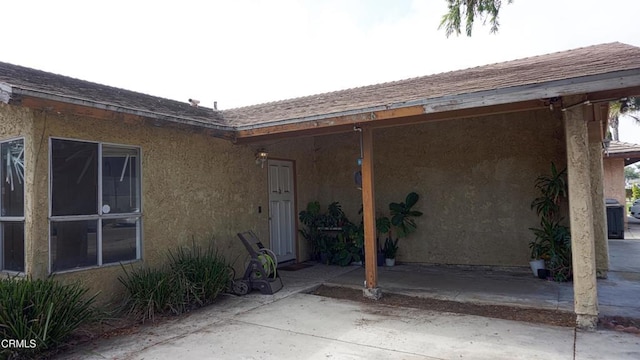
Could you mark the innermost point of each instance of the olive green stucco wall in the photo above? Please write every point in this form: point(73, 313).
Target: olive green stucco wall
point(17, 122)
point(475, 177)
point(193, 187)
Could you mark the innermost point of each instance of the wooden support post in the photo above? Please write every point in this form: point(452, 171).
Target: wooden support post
point(585, 290)
point(371, 289)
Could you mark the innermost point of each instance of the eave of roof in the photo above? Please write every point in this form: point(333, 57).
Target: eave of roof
point(18, 93)
point(627, 151)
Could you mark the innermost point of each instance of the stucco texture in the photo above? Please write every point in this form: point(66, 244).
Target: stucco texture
point(17, 122)
point(614, 179)
point(475, 177)
point(194, 187)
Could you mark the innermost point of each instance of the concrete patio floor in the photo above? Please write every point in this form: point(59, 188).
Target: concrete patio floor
point(293, 324)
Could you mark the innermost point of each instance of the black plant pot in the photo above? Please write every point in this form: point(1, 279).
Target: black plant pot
point(380, 258)
point(543, 274)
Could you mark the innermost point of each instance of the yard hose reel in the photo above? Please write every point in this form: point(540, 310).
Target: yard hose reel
point(260, 269)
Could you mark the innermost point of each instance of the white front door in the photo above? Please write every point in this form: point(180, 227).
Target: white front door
point(282, 209)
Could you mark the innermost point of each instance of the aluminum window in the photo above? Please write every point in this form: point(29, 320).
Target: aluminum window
point(95, 212)
point(12, 205)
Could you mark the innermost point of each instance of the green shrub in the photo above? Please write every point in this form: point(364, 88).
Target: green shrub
point(45, 311)
point(192, 278)
point(203, 274)
point(635, 192)
point(151, 292)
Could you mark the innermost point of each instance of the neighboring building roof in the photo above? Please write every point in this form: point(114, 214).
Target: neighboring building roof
point(590, 69)
point(629, 152)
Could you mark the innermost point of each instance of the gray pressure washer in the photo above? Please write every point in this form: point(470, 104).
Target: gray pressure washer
point(261, 270)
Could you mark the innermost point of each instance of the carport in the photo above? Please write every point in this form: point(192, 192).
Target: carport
point(572, 88)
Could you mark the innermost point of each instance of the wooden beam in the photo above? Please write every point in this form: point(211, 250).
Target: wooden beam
point(369, 216)
point(377, 119)
point(594, 126)
point(613, 95)
point(341, 129)
point(463, 113)
point(601, 115)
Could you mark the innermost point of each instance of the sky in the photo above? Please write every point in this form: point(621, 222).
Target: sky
point(246, 52)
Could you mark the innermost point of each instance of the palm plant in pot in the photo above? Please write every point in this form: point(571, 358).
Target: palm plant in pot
point(552, 244)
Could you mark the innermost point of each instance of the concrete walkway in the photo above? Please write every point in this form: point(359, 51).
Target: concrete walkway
point(295, 325)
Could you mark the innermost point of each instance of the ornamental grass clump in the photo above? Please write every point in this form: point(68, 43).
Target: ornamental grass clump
point(203, 274)
point(151, 292)
point(192, 278)
point(39, 315)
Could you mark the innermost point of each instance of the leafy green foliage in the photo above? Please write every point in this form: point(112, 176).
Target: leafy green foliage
point(317, 222)
point(390, 248)
point(628, 107)
point(42, 310)
point(468, 11)
point(631, 172)
point(383, 225)
point(205, 273)
point(192, 278)
point(635, 192)
point(403, 217)
point(151, 292)
point(552, 188)
point(340, 241)
point(552, 239)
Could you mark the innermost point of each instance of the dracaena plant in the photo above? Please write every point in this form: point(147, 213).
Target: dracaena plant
point(552, 239)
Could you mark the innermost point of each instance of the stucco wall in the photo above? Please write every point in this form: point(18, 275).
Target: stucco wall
point(193, 187)
point(614, 179)
point(18, 122)
point(475, 178)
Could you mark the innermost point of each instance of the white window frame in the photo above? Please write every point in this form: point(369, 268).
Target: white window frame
point(99, 216)
point(7, 219)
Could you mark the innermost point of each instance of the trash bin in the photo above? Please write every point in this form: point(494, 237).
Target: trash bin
point(615, 219)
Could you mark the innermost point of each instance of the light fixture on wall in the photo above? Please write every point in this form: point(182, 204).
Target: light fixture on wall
point(261, 157)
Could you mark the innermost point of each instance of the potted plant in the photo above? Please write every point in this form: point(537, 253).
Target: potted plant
point(552, 239)
point(390, 249)
point(403, 221)
point(539, 253)
point(383, 226)
point(321, 228)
